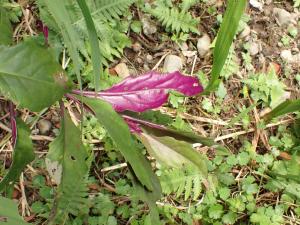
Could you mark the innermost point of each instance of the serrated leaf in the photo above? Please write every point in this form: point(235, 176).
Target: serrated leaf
point(5, 28)
point(30, 76)
point(229, 26)
point(197, 188)
point(178, 180)
point(188, 188)
point(120, 134)
point(9, 214)
point(68, 150)
point(22, 155)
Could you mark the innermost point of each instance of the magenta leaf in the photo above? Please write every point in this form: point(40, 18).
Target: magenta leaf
point(147, 91)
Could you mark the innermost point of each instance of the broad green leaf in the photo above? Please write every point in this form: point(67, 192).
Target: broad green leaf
point(9, 214)
point(171, 152)
point(233, 14)
point(188, 137)
point(288, 106)
point(30, 76)
point(119, 132)
point(95, 50)
point(5, 28)
point(23, 154)
point(68, 151)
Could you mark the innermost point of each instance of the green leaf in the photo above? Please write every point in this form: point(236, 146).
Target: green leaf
point(30, 77)
point(190, 137)
point(120, 134)
point(229, 218)
point(9, 214)
point(187, 180)
point(93, 37)
point(215, 211)
point(233, 14)
point(175, 20)
point(288, 106)
point(173, 153)
point(68, 150)
point(23, 154)
point(6, 29)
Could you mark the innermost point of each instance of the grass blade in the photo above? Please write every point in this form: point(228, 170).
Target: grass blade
point(233, 14)
point(95, 50)
point(288, 106)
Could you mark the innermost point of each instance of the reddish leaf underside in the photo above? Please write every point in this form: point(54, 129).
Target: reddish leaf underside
point(147, 91)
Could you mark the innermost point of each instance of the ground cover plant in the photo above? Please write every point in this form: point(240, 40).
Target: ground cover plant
point(107, 152)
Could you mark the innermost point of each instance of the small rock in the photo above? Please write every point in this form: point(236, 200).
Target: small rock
point(184, 46)
point(254, 48)
point(287, 56)
point(122, 70)
point(35, 131)
point(256, 4)
point(203, 45)
point(283, 17)
point(189, 53)
point(136, 47)
point(139, 60)
point(149, 58)
point(148, 26)
point(245, 33)
point(44, 126)
point(172, 63)
point(296, 58)
point(268, 2)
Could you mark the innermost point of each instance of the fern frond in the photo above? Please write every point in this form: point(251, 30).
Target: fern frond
point(72, 199)
point(109, 9)
point(187, 182)
point(176, 20)
point(111, 41)
point(231, 65)
point(187, 4)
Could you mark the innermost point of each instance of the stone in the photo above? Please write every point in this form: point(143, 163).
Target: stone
point(44, 126)
point(184, 46)
point(256, 4)
point(283, 17)
point(254, 48)
point(287, 56)
point(122, 70)
point(139, 60)
point(203, 45)
point(172, 63)
point(245, 33)
point(149, 26)
point(149, 58)
point(137, 47)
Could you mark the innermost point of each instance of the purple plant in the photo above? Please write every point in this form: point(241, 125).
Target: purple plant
point(144, 92)
point(147, 91)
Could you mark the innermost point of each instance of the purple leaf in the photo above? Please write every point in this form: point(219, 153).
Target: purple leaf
point(148, 91)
